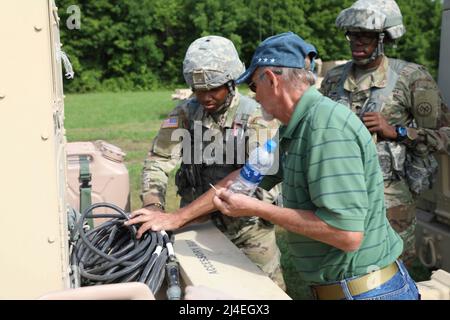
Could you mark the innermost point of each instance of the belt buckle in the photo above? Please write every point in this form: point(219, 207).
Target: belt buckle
point(378, 276)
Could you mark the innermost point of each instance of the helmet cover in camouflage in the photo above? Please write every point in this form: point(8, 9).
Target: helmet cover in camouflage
point(211, 62)
point(373, 16)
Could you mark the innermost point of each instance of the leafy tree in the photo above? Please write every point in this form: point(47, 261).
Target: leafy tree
point(140, 44)
point(421, 42)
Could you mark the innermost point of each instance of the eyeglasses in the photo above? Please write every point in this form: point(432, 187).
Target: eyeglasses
point(252, 84)
point(363, 37)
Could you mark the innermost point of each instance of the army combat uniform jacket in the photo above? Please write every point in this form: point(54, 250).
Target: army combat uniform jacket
point(241, 122)
point(412, 100)
point(406, 95)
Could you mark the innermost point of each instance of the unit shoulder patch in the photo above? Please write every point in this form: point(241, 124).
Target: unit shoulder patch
point(424, 109)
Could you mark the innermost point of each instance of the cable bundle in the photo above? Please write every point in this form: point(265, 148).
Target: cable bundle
point(110, 253)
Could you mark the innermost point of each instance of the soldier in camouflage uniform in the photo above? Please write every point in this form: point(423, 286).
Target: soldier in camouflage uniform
point(399, 102)
point(217, 110)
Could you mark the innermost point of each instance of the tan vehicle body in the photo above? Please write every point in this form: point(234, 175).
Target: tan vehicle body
point(33, 241)
point(35, 175)
point(433, 231)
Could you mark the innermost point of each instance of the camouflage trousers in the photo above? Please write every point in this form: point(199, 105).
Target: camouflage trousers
point(403, 221)
point(256, 239)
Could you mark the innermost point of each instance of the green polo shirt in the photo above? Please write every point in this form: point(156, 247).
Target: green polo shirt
point(329, 165)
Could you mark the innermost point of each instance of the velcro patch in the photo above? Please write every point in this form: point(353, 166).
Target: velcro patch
point(426, 105)
point(171, 122)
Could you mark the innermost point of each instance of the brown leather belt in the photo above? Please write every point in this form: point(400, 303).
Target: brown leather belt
point(357, 286)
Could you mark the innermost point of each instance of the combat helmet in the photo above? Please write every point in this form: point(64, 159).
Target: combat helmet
point(373, 16)
point(380, 16)
point(211, 62)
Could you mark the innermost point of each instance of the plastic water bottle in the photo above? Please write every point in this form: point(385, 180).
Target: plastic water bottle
point(259, 163)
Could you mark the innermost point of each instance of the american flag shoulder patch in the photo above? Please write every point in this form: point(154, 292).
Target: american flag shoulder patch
point(171, 122)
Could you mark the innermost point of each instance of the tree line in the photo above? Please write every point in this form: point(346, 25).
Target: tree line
point(130, 45)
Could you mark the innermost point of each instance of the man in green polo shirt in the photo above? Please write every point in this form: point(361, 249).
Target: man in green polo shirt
point(339, 237)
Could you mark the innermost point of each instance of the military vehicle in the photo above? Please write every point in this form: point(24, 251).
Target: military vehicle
point(34, 248)
point(433, 231)
point(34, 242)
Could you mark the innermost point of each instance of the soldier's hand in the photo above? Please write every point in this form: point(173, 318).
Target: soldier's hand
point(376, 123)
point(155, 220)
point(234, 204)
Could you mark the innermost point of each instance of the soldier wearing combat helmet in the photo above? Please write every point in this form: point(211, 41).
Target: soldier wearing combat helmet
point(400, 104)
point(218, 126)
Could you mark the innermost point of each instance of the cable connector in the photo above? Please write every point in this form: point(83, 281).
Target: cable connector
point(173, 279)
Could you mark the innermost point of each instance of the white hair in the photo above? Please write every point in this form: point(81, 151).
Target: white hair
point(295, 76)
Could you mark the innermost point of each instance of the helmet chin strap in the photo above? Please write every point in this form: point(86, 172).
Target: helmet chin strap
point(229, 99)
point(379, 51)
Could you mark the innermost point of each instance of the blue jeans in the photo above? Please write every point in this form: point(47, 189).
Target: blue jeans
point(399, 287)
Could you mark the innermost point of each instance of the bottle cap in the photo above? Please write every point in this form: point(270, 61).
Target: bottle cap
point(270, 146)
point(110, 152)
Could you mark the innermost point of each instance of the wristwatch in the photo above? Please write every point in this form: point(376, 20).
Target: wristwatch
point(402, 133)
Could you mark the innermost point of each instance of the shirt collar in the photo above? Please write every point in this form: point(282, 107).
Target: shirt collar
point(378, 78)
point(308, 99)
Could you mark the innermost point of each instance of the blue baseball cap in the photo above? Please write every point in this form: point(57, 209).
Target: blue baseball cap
point(282, 50)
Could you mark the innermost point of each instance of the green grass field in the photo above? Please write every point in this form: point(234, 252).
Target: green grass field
point(130, 121)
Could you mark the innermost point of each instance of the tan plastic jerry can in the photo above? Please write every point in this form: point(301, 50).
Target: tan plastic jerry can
point(110, 179)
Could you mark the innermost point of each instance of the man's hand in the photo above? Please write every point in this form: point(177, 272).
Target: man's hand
point(155, 220)
point(234, 204)
point(376, 123)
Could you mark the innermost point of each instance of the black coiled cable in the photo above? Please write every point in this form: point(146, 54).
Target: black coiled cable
point(110, 253)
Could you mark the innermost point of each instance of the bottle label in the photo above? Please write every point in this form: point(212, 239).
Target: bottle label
point(249, 174)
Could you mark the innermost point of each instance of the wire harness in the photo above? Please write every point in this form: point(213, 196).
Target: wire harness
point(110, 253)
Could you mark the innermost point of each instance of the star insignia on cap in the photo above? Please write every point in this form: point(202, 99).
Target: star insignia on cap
point(272, 60)
point(259, 60)
point(265, 59)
